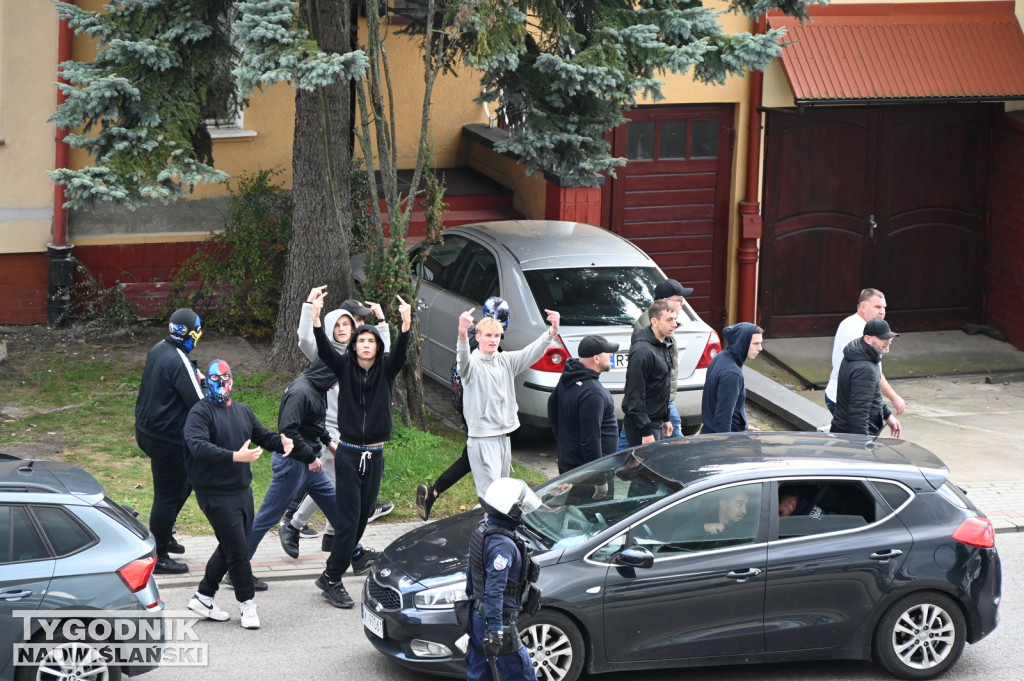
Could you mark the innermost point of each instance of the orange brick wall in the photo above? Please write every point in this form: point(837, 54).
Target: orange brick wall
point(24, 284)
point(1005, 266)
point(573, 205)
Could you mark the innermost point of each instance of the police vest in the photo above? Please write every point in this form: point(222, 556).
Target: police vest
point(521, 590)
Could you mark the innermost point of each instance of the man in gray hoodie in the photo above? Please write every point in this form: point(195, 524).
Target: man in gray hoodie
point(489, 401)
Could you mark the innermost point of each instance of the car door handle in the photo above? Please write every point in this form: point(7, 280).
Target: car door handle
point(743, 575)
point(420, 305)
point(884, 556)
point(14, 595)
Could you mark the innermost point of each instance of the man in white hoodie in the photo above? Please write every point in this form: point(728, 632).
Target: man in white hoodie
point(489, 401)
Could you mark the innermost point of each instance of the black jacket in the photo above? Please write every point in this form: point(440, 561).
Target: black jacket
point(725, 392)
point(303, 412)
point(582, 415)
point(859, 405)
point(169, 388)
point(213, 433)
point(364, 396)
point(645, 403)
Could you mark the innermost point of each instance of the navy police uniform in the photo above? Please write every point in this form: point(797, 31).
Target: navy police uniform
point(495, 584)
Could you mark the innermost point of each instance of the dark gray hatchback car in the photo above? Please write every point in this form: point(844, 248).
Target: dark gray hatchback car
point(721, 549)
point(72, 556)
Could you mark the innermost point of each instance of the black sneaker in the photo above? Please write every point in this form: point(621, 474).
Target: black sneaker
point(338, 596)
point(289, 537)
point(308, 532)
point(165, 565)
point(323, 583)
point(380, 510)
point(257, 583)
point(425, 500)
point(325, 542)
point(175, 546)
point(364, 562)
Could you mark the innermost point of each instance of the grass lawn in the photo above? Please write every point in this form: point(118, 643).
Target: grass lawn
point(82, 397)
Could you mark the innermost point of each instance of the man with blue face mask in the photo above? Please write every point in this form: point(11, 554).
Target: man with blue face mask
point(170, 386)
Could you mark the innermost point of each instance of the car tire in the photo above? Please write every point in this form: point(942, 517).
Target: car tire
point(690, 430)
point(921, 636)
point(554, 644)
point(95, 670)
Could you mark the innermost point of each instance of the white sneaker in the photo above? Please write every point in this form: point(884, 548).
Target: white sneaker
point(207, 608)
point(250, 619)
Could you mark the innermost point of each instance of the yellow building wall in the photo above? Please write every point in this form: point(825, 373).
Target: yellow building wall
point(28, 58)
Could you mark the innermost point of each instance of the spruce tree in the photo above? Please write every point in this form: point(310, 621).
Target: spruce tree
point(563, 71)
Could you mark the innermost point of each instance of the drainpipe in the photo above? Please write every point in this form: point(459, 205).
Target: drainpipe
point(58, 299)
point(751, 224)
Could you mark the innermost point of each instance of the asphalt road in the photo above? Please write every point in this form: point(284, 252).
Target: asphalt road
point(303, 637)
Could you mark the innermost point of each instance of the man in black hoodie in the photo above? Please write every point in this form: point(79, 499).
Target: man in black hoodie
point(366, 379)
point(723, 404)
point(581, 410)
point(302, 417)
point(859, 405)
point(645, 403)
point(218, 432)
point(170, 385)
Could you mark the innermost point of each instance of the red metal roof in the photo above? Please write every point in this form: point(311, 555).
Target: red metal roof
point(904, 51)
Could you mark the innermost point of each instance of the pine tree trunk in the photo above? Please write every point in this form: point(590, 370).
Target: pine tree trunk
point(318, 253)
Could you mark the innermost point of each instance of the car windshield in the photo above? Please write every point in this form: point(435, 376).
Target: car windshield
point(594, 296)
point(590, 498)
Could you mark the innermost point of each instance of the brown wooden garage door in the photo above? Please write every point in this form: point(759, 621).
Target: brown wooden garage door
point(672, 197)
point(889, 197)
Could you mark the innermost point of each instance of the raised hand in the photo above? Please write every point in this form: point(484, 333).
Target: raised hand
point(553, 319)
point(313, 292)
point(465, 322)
point(376, 310)
point(318, 304)
point(405, 310)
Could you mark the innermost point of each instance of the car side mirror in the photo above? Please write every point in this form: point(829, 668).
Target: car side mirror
point(635, 557)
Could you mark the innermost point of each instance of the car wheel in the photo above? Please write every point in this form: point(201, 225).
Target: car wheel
point(70, 660)
point(921, 636)
point(554, 644)
point(690, 430)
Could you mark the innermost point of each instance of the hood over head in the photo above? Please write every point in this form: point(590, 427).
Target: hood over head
point(330, 320)
point(376, 334)
point(738, 337)
point(320, 376)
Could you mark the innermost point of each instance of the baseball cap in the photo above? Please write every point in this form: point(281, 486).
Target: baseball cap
point(669, 288)
point(595, 345)
point(355, 308)
point(879, 328)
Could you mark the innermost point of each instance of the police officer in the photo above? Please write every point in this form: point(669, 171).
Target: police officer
point(500, 584)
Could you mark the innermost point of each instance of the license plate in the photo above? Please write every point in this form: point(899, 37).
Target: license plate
point(372, 622)
point(619, 360)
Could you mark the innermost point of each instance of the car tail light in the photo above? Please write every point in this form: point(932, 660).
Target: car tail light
point(713, 347)
point(554, 358)
point(136, 574)
point(977, 531)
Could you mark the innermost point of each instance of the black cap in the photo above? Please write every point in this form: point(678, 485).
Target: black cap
point(879, 328)
point(595, 345)
point(670, 287)
point(355, 308)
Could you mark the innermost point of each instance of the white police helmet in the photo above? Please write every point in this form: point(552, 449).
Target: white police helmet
point(509, 498)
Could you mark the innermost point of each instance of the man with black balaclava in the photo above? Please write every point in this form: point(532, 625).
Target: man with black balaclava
point(500, 583)
point(170, 385)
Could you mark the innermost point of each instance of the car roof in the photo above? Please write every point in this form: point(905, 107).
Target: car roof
point(545, 244)
point(742, 456)
point(35, 475)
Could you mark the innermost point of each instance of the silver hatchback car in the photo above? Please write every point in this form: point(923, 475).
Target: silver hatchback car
point(599, 282)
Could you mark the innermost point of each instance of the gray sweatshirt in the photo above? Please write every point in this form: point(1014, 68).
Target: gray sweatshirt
point(489, 398)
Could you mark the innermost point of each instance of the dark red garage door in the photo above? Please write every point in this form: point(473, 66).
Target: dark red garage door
point(672, 197)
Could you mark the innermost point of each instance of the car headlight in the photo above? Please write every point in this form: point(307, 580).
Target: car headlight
point(441, 597)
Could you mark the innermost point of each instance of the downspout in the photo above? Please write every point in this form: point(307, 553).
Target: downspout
point(751, 223)
point(58, 299)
